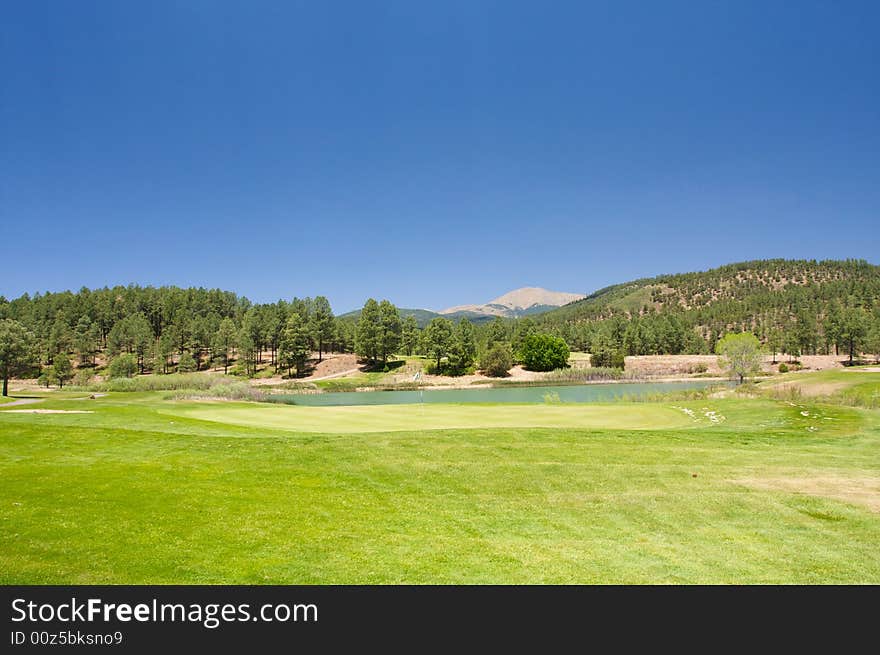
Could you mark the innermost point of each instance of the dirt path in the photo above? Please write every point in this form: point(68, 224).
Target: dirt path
point(22, 401)
point(330, 377)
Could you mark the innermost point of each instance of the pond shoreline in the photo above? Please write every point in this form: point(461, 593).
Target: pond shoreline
point(531, 394)
point(499, 384)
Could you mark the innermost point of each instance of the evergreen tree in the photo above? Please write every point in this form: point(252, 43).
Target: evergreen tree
point(18, 351)
point(389, 330)
point(774, 342)
point(463, 349)
point(322, 324)
point(853, 330)
point(833, 327)
point(62, 369)
point(498, 360)
point(60, 338)
point(186, 363)
point(158, 360)
point(523, 328)
point(123, 366)
point(368, 338)
point(438, 338)
point(223, 341)
point(409, 336)
point(247, 351)
point(294, 345)
point(496, 332)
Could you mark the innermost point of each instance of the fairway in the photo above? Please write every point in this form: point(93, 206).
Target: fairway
point(855, 385)
point(147, 490)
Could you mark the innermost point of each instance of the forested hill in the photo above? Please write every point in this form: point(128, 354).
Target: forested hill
point(795, 307)
point(769, 297)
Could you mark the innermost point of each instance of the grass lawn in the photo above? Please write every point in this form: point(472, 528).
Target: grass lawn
point(145, 490)
point(851, 386)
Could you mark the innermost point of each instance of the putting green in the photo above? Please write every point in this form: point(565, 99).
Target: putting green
point(382, 418)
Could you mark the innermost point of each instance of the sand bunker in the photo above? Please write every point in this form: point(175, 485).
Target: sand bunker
point(48, 411)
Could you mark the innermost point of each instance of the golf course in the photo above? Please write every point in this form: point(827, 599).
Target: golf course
point(766, 486)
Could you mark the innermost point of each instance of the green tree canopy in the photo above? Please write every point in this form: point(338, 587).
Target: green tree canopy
point(322, 324)
point(62, 369)
point(438, 338)
point(543, 352)
point(18, 351)
point(223, 341)
point(497, 360)
point(463, 347)
point(123, 366)
point(294, 345)
point(368, 341)
point(186, 363)
point(389, 329)
point(854, 329)
point(740, 354)
point(409, 335)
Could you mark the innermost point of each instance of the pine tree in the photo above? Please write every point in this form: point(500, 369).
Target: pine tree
point(438, 338)
point(389, 330)
point(409, 336)
point(294, 345)
point(223, 341)
point(322, 324)
point(62, 369)
point(368, 343)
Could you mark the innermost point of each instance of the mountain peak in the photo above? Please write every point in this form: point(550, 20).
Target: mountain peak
point(519, 302)
point(530, 296)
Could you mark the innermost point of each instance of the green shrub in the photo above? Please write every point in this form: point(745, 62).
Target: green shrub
point(83, 377)
point(544, 352)
point(592, 374)
point(174, 382)
point(497, 361)
point(47, 377)
point(186, 364)
point(225, 390)
point(431, 367)
point(123, 366)
point(783, 368)
point(607, 357)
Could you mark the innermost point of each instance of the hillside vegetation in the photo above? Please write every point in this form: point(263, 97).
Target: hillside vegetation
point(793, 307)
point(796, 306)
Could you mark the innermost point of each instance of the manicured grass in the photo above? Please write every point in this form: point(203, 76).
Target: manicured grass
point(145, 490)
point(853, 386)
point(408, 418)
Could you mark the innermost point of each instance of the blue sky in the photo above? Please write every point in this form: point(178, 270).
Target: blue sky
point(431, 153)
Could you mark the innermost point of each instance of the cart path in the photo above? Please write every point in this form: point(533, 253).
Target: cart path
point(21, 401)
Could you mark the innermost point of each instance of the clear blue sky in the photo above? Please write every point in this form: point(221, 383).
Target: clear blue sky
point(431, 153)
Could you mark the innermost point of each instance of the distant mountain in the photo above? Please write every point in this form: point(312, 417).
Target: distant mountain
point(514, 304)
point(423, 316)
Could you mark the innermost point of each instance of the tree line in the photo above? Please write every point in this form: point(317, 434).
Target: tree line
point(131, 330)
point(794, 307)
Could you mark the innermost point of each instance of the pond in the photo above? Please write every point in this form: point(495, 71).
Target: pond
point(582, 393)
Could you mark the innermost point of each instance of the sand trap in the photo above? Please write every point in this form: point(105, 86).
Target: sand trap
point(48, 411)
